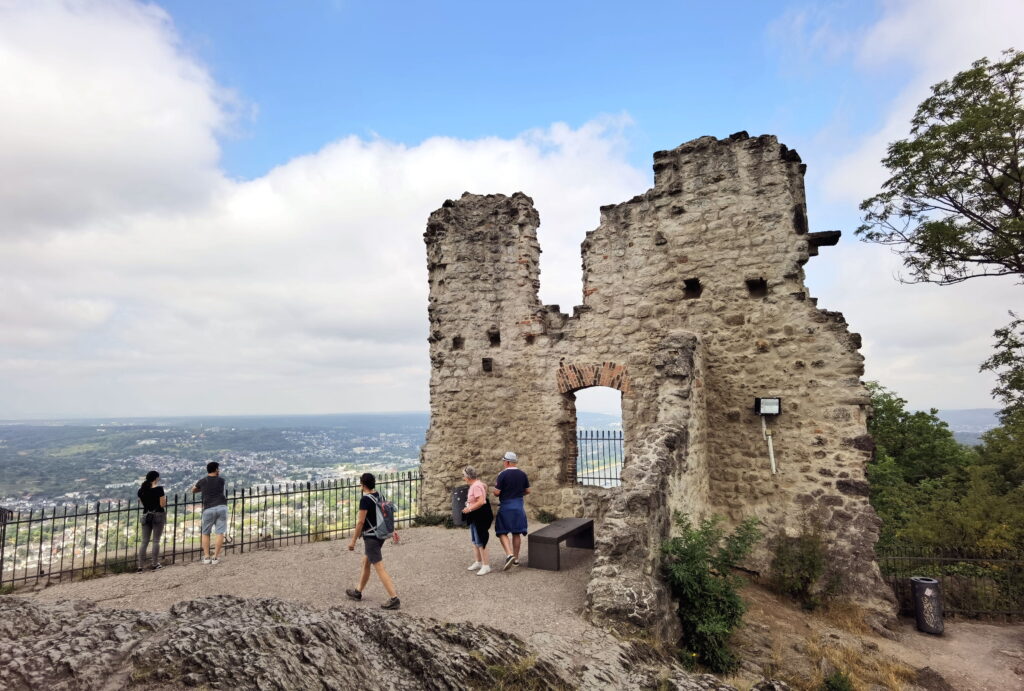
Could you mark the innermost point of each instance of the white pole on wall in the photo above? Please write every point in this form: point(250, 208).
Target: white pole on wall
point(771, 450)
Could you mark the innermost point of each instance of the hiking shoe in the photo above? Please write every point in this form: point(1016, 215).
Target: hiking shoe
point(486, 569)
point(393, 603)
point(354, 594)
point(508, 563)
point(207, 560)
point(474, 566)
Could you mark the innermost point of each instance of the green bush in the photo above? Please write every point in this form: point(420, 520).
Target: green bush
point(444, 519)
point(699, 567)
point(798, 565)
point(837, 681)
point(546, 516)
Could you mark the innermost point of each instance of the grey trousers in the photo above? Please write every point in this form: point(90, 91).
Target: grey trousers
point(152, 532)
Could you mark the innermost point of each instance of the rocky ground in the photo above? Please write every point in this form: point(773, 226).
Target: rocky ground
point(193, 627)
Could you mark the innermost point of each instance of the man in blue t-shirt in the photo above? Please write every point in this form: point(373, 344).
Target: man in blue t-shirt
point(510, 488)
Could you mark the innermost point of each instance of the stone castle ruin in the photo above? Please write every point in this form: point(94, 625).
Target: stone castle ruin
point(693, 304)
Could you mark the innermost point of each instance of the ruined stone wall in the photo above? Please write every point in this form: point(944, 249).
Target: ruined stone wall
point(714, 250)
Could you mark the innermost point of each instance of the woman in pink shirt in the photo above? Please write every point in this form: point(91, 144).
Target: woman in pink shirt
point(479, 516)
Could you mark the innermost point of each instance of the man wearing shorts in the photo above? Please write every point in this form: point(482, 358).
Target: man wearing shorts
point(365, 524)
point(510, 488)
point(215, 511)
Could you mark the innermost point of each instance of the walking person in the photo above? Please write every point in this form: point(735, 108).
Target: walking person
point(366, 524)
point(215, 511)
point(154, 516)
point(479, 516)
point(510, 488)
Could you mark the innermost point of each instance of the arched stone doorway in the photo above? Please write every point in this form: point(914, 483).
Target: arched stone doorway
point(571, 378)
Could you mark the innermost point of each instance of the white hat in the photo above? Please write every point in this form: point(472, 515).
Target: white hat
point(510, 457)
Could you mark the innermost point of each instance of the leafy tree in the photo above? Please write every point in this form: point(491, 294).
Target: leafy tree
point(952, 206)
point(919, 443)
point(1008, 363)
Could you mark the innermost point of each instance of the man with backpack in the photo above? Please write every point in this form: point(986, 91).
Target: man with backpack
point(375, 524)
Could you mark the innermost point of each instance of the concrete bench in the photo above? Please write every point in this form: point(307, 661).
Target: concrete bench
point(543, 543)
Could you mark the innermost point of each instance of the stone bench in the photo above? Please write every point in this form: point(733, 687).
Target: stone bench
point(543, 543)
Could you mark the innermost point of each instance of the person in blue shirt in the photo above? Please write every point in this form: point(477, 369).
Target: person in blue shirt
point(510, 488)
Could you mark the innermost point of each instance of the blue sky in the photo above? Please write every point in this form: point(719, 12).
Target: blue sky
point(218, 207)
point(410, 71)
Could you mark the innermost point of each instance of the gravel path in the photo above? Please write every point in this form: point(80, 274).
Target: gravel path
point(428, 567)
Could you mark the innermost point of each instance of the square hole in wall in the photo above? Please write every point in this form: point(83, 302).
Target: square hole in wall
point(494, 336)
point(458, 342)
point(692, 288)
point(758, 287)
point(488, 364)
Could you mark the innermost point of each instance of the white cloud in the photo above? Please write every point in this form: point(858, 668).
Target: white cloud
point(147, 283)
point(924, 341)
point(935, 39)
point(103, 114)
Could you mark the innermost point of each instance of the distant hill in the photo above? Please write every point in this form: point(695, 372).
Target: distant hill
point(968, 424)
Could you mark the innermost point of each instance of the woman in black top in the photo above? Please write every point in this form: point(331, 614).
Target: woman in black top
point(153, 516)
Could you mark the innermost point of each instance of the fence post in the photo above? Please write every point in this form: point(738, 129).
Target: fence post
point(174, 533)
point(309, 512)
point(3, 542)
point(96, 537)
point(241, 527)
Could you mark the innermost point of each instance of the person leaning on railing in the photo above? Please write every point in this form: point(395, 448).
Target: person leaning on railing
point(153, 499)
point(215, 511)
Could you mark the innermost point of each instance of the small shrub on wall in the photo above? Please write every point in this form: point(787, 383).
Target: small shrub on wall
point(699, 567)
point(799, 567)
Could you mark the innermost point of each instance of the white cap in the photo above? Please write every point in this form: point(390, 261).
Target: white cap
point(510, 457)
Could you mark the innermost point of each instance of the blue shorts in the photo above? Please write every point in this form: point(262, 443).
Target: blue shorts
point(474, 535)
point(215, 519)
point(511, 517)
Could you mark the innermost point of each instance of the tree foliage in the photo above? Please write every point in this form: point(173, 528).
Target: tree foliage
point(952, 206)
point(1008, 364)
point(930, 491)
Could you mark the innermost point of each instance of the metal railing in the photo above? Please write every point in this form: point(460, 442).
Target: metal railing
point(87, 541)
point(973, 583)
point(599, 455)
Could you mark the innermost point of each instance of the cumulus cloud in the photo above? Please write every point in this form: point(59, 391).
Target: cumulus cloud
point(103, 114)
point(143, 281)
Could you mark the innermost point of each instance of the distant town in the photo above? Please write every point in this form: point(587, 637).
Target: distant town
point(46, 464)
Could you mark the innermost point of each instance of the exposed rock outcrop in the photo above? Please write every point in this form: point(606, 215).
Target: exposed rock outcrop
point(227, 642)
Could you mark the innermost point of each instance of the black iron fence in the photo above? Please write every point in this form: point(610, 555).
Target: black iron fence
point(599, 455)
point(87, 541)
point(974, 584)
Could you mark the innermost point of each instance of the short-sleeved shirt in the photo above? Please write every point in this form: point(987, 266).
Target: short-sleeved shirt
point(213, 491)
point(150, 497)
point(477, 491)
point(366, 504)
point(513, 483)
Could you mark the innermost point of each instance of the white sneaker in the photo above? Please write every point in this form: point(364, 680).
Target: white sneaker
point(474, 566)
point(484, 571)
point(206, 560)
point(214, 562)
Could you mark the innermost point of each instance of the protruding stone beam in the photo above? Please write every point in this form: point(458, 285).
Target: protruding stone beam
point(826, 238)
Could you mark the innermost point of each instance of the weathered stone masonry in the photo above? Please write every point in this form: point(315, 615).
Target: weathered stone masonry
point(693, 304)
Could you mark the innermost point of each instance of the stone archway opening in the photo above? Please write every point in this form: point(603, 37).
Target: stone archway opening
point(594, 427)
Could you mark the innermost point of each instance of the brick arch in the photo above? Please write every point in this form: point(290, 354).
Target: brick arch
point(572, 377)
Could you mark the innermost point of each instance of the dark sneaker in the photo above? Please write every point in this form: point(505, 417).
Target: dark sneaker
point(157, 567)
point(354, 594)
point(139, 570)
point(393, 603)
point(508, 563)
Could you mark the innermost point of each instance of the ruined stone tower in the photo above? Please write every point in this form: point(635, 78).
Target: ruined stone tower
point(693, 304)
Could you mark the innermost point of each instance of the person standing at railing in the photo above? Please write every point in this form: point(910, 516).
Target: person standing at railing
point(215, 511)
point(153, 499)
point(479, 516)
point(366, 522)
point(510, 488)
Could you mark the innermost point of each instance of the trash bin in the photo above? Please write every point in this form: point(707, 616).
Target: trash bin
point(927, 604)
point(459, 496)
